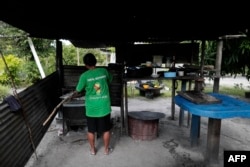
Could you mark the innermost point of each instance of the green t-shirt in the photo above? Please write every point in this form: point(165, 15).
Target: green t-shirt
point(97, 98)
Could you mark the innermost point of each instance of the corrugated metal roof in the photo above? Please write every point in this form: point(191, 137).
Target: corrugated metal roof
point(109, 24)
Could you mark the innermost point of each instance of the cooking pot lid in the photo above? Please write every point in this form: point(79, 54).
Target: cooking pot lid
point(146, 115)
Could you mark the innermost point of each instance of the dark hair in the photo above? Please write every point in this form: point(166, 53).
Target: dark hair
point(89, 59)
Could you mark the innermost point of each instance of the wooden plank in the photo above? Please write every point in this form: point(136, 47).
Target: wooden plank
point(199, 97)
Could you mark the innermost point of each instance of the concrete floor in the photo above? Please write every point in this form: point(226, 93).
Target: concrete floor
point(171, 148)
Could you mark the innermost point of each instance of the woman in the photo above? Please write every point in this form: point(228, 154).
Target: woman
point(95, 82)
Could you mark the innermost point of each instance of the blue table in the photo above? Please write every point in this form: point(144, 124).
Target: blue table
point(229, 108)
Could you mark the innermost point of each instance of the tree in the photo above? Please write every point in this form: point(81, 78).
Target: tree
point(8, 37)
point(15, 42)
point(210, 52)
point(73, 55)
point(12, 72)
point(235, 56)
point(15, 48)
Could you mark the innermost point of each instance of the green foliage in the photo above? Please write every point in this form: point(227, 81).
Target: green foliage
point(245, 46)
point(74, 56)
point(245, 50)
point(48, 63)
point(31, 73)
point(210, 52)
point(43, 47)
point(10, 37)
point(12, 72)
point(233, 60)
point(15, 42)
point(70, 55)
point(235, 56)
point(20, 72)
point(4, 91)
point(100, 56)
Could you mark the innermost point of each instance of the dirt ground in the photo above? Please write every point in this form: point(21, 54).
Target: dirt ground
point(171, 147)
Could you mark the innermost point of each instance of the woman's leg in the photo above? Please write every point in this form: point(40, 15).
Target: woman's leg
point(91, 134)
point(91, 139)
point(106, 140)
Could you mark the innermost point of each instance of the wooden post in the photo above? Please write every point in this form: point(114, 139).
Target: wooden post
point(173, 102)
point(213, 140)
point(126, 107)
point(218, 66)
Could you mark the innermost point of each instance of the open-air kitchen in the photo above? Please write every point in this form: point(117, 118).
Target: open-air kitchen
point(138, 34)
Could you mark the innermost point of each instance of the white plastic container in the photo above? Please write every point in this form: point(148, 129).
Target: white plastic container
point(148, 63)
point(180, 73)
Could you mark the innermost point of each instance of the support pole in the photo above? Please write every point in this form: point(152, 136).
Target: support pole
point(218, 66)
point(36, 57)
point(213, 140)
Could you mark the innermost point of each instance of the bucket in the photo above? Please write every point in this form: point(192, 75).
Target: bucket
point(180, 73)
point(143, 125)
point(169, 74)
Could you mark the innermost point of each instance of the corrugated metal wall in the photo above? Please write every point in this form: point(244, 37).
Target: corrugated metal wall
point(21, 132)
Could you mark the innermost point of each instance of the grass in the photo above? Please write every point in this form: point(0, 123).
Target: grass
point(236, 90)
